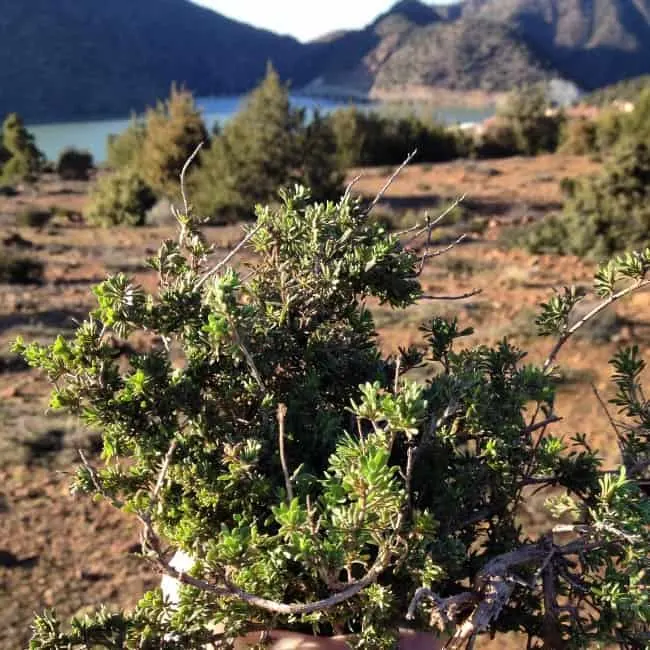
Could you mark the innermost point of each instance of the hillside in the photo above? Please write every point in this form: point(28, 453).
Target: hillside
point(85, 58)
point(495, 45)
point(592, 42)
point(77, 59)
point(353, 59)
point(463, 55)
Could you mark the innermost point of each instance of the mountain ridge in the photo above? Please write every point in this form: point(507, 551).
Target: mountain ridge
point(83, 59)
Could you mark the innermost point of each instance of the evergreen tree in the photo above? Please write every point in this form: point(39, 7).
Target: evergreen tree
point(536, 129)
point(125, 149)
point(255, 154)
point(173, 130)
point(23, 160)
point(319, 166)
point(120, 198)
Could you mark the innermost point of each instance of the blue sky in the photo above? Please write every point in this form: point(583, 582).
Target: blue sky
point(304, 19)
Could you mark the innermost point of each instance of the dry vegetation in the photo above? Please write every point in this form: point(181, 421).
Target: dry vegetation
point(56, 551)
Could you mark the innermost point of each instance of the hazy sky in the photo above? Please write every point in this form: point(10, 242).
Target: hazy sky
point(304, 19)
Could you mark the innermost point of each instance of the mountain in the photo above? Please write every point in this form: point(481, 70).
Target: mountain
point(468, 54)
point(79, 59)
point(351, 60)
point(495, 45)
point(73, 59)
point(592, 42)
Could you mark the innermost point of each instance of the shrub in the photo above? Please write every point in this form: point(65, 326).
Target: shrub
point(21, 160)
point(34, 217)
point(497, 141)
point(119, 198)
point(74, 165)
point(603, 214)
point(173, 130)
point(317, 486)
point(19, 269)
point(535, 126)
point(579, 137)
point(370, 139)
point(125, 149)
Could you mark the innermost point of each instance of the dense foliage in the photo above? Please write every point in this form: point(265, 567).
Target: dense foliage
point(74, 165)
point(535, 128)
point(20, 160)
point(266, 145)
point(367, 138)
point(320, 488)
point(119, 198)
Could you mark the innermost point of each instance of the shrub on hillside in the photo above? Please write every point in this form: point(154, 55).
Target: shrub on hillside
point(535, 125)
point(371, 139)
point(602, 214)
point(579, 137)
point(34, 217)
point(19, 269)
point(119, 198)
point(173, 130)
point(497, 141)
point(74, 165)
point(313, 485)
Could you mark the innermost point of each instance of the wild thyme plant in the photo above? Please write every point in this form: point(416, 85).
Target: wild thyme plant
point(317, 486)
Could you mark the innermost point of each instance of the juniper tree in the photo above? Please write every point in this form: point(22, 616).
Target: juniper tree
point(173, 130)
point(315, 483)
point(22, 159)
point(267, 145)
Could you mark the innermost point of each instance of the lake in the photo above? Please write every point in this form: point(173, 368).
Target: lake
point(51, 139)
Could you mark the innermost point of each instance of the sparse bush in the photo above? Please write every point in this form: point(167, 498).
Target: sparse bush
point(19, 269)
point(119, 198)
point(312, 485)
point(74, 165)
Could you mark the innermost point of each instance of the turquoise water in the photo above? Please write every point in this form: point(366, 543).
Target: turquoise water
point(51, 139)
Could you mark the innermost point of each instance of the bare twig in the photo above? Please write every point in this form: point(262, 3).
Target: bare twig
point(565, 336)
point(462, 296)
point(188, 162)
point(389, 182)
point(247, 355)
point(351, 184)
point(398, 363)
point(601, 401)
point(282, 414)
point(429, 225)
point(531, 428)
point(215, 269)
